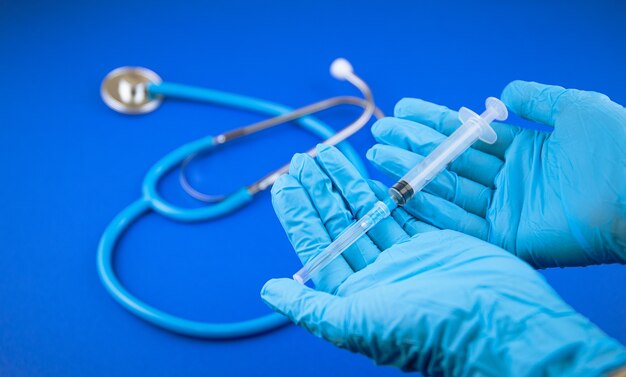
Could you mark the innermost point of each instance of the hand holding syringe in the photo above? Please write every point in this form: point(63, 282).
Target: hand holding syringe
point(474, 127)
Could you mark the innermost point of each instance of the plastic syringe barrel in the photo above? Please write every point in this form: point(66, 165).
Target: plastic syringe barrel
point(418, 177)
point(473, 127)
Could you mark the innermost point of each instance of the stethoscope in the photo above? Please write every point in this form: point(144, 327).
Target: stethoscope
point(136, 90)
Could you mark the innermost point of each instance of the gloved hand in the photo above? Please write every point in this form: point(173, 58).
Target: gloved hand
point(408, 295)
point(552, 198)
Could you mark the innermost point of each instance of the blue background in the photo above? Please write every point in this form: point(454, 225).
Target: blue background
point(68, 164)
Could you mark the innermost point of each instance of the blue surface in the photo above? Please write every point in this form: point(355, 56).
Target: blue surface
point(69, 164)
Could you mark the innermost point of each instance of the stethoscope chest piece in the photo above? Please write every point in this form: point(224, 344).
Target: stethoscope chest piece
point(125, 90)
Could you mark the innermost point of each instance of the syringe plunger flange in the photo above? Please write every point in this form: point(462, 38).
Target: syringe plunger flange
point(495, 110)
point(497, 107)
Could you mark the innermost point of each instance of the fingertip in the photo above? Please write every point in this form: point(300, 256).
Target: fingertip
point(318, 312)
point(401, 107)
point(385, 152)
point(281, 182)
point(371, 153)
point(327, 154)
point(512, 91)
point(267, 288)
point(297, 163)
point(285, 290)
point(392, 160)
point(322, 148)
point(382, 126)
point(534, 101)
point(272, 287)
point(378, 185)
point(287, 201)
point(380, 123)
point(515, 83)
point(378, 188)
point(275, 292)
point(419, 110)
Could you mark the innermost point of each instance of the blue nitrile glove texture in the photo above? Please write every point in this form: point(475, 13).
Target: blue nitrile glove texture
point(422, 299)
point(552, 198)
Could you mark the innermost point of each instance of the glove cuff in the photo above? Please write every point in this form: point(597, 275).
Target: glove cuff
point(570, 347)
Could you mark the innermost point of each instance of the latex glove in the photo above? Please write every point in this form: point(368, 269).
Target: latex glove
point(552, 198)
point(409, 295)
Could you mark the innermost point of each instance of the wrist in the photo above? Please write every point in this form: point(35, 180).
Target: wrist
point(565, 346)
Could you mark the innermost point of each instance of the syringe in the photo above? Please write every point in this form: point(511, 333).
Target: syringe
point(474, 127)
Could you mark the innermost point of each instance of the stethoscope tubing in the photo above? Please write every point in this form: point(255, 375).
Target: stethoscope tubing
point(157, 317)
point(151, 200)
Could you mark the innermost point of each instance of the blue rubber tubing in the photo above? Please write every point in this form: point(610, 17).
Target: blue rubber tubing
point(153, 201)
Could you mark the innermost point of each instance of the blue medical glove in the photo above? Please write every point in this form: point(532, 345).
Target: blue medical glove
point(409, 295)
point(552, 198)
